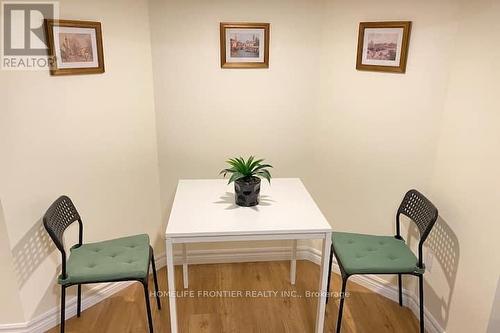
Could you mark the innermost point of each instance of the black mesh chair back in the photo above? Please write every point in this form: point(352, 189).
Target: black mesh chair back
point(421, 211)
point(60, 215)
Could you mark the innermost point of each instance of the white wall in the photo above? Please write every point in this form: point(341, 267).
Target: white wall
point(376, 132)
point(465, 182)
point(206, 114)
point(92, 137)
point(11, 310)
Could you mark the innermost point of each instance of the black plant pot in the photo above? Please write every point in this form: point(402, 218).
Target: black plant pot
point(247, 191)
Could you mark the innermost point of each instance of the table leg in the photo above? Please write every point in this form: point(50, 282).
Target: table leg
point(320, 316)
point(293, 262)
point(171, 286)
point(185, 266)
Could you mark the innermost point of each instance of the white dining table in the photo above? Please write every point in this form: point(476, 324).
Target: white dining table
point(204, 210)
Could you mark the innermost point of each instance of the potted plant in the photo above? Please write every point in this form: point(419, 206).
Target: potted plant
point(246, 176)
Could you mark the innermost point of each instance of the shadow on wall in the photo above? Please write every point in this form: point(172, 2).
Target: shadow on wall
point(32, 250)
point(443, 243)
point(29, 253)
point(494, 323)
point(441, 256)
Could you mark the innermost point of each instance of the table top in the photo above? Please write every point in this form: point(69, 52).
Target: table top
point(206, 207)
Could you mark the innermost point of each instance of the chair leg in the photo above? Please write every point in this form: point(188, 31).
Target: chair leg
point(421, 292)
point(329, 274)
point(63, 308)
point(155, 279)
point(148, 306)
point(79, 301)
point(341, 306)
point(400, 287)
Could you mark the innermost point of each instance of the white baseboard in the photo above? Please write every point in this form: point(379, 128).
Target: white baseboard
point(50, 318)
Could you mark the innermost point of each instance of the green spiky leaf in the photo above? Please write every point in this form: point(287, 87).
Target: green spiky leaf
point(235, 176)
point(251, 167)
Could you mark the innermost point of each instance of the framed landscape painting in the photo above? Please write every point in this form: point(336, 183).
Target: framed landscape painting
point(244, 45)
point(383, 46)
point(75, 47)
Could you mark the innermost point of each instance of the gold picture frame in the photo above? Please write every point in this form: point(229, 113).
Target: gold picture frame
point(383, 46)
point(75, 47)
point(244, 45)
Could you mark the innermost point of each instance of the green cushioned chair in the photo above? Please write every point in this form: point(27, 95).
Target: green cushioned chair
point(368, 254)
point(122, 259)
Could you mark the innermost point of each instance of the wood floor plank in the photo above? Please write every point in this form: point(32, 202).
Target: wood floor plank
point(288, 311)
point(204, 323)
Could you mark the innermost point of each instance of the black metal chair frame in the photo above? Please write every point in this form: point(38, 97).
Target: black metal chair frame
point(60, 215)
point(424, 214)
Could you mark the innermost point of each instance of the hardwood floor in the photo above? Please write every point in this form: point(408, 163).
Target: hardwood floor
point(364, 310)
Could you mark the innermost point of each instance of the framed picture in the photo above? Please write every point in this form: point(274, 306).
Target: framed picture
point(75, 47)
point(383, 46)
point(244, 45)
